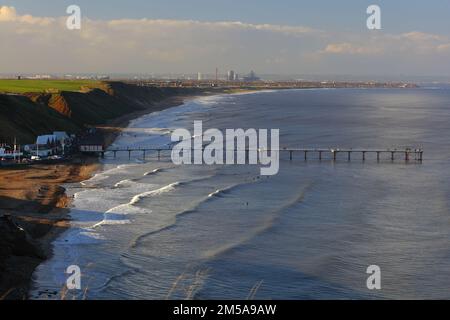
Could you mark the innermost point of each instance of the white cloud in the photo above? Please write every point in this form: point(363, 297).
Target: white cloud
point(421, 36)
point(444, 48)
point(43, 44)
point(9, 14)
point(411, 43)
point(349, 48)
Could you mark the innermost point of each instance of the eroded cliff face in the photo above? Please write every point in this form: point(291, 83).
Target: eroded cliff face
point(24, 119)
point(58, 103)
point(26, 116)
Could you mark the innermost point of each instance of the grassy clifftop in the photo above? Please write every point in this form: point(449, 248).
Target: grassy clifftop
point(27, 86)
point(29, 114)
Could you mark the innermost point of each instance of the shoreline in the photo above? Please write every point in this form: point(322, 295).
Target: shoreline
point(34, 200)
point(35, 211)
point(34, 207)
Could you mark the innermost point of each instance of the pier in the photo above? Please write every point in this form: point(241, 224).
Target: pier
point(333, 154)
point(407, 154)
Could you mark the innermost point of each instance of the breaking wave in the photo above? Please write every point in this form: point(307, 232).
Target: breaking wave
point(155, 171)
point(136, 199)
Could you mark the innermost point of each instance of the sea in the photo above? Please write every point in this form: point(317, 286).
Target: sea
point(150, 229)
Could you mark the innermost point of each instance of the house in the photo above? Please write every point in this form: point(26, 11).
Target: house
point(46, 140)
point(46, 145)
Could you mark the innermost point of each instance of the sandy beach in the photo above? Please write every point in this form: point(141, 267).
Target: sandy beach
point(34, 207)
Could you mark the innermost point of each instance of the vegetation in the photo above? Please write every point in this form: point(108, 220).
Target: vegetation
point(46, 86)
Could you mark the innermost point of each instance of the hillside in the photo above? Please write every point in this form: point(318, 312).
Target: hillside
point(21, 118)
point(30, 114)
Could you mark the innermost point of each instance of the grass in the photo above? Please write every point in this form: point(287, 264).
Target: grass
point(52, 86)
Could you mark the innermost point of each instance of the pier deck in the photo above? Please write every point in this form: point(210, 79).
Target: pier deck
point(335, 154)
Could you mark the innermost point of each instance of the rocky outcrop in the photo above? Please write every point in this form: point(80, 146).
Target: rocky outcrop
point(16, 245)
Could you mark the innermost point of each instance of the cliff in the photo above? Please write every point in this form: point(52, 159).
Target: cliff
point(28, 115)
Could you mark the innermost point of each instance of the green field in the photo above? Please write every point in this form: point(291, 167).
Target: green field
point(25, 86)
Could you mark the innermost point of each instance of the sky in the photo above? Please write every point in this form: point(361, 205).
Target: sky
point(268, 36)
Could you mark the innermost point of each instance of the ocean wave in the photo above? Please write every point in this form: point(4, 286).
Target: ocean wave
point(219, 192)
point(268, 224)
point(189, 210)
point(149, 173)
point(123, 183)
point(98, 177)
point(110, 219)
point(92, 235)
point(127, 208)
point(95, 178)
point(134, 186)
point(116, 214)
point(136, 199)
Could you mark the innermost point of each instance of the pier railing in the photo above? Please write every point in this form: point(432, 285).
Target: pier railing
point(334, 154)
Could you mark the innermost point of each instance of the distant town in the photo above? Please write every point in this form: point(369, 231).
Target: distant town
point(222, 78)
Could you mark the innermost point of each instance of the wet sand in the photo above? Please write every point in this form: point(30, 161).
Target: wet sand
point(33, 199)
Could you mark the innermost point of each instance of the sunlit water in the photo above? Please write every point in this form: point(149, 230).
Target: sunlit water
point(153, 230)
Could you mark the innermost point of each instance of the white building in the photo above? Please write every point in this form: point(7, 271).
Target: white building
point(47, 145)
point(47, 139)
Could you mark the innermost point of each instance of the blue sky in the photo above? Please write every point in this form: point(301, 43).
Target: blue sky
point(398, 16)
point(180, 36)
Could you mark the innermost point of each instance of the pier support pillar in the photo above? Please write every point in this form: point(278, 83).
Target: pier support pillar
point(364, 156)
point(306, 155)
point(378, 155)
point(349, 156)
point(290, 155)
point(320, 155)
